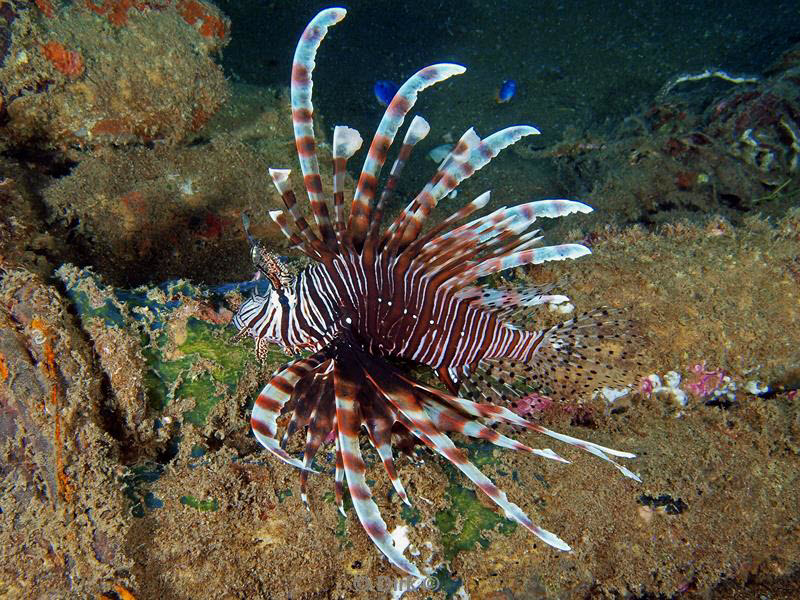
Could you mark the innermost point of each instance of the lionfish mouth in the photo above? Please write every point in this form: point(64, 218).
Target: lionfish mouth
point(409, 295)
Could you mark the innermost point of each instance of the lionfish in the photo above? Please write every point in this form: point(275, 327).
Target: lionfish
point(372, 300)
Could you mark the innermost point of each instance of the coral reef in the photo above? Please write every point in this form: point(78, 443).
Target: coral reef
point(174, 209)
point(171, 210)
point(24, 240)
point(172, 413)
point(127, 465)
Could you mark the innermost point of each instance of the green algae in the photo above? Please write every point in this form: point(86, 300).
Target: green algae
point(92, 298)
point(465, 522)
point(135, 487)
point(205, 366)
point(203, 391)
point(203, 505)
point(445, 583)
point(109, 310)
point(341, 532)
point(203, 340)
point(479, 452)
point(410, 514)
point(463, 525)
point(207, 369)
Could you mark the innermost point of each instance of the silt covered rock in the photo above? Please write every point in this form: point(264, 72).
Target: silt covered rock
point(89, 74)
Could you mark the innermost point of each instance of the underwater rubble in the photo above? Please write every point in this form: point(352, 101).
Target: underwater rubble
point(57, 454)
point(128, 468)
point(693, 150)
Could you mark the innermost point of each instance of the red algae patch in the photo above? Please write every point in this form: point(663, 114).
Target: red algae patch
point(46, 6)
point(199, 14)
point(116, 10)
point(209, 20)
point(68, 62)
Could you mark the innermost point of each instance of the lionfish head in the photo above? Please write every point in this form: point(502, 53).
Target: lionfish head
point(267, 264)
point(260, 316)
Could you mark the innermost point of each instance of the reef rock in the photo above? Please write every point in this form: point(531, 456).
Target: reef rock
point(88, 74)
point(61, 507)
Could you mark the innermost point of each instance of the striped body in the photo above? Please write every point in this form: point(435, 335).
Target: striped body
point(403, 292)
point(390, 313)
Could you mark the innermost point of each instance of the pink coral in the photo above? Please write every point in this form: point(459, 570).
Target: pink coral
point(703, 382)
point(648, 384)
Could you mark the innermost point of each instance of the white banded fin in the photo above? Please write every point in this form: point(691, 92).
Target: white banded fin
point(551, 539)
point(548, 453)
point(417, 131)
point(558, 207)
point(439, 153)
point(280, 177)
point(481, 200)
point(346, 142)
point(559, 252)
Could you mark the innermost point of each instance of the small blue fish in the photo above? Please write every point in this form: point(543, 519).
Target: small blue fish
point(385, 91)
point(506, 91)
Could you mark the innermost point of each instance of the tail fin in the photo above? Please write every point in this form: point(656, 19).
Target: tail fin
point(570, 360)
point(594, 350)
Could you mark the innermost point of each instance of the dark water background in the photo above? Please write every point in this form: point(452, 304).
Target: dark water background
point(581, 64)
